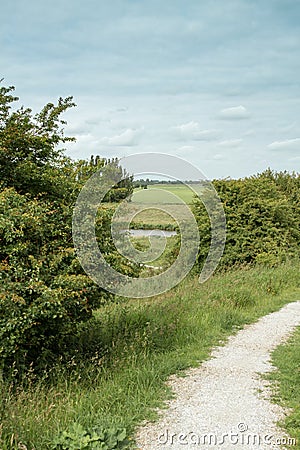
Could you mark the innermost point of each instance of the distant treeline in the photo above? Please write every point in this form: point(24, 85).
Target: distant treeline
point(147, 182)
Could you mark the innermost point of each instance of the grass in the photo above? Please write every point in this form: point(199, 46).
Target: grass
point(122, 359)
point(165, 260)
point(286, 379)
point(164, 193)
point(156, 206)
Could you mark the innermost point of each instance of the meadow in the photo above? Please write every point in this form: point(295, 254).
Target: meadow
point(154, 208)
point(158, 193)
point(286, 387)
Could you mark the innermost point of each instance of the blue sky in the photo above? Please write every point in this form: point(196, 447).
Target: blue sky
point(213, 81)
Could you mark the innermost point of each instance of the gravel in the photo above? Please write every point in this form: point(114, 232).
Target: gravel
point(225, 403)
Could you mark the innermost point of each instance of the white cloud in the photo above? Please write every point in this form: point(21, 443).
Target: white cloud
point(234, 113)
point(218, 156)
point(192, 130)
point(249, 133)
point(186, 149)
point(230, 143)
point(288, 144)
point(129, 138)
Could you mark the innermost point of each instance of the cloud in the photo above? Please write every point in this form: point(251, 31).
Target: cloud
point(289, 127)
point(234, 113)
point(192, 130)
point(128, 138)
point(186, 149)
point(288, 144)
point(230, 143)
point(295, 159)
point(249, 133)
point(218, 157)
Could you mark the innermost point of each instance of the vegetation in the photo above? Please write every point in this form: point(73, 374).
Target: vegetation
point(89, 365)
point(157, 193)
point(120, 361)
point(286, 358)
point(262, 216)
point(44, 292)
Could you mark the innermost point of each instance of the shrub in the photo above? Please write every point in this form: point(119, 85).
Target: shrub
point(262, 219)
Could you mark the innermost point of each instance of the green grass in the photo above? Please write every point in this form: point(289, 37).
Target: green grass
point(159, 194)
point(150, 217)
point(122, 359)
point(151, 200)
point(286, 382)
point(167, 257)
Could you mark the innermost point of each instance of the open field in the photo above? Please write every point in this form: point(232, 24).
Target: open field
point(159, 208)
point(150, 216)
point(160, 193)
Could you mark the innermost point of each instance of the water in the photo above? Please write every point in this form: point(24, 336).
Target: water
point(147, 233)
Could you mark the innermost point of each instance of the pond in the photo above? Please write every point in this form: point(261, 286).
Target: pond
point(147, 233)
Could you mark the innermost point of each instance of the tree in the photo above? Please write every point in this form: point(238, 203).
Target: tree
point(84, 169)
point(44, 292)
point(29, 158)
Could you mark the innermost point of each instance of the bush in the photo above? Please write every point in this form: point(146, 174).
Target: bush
point(262, 219)
point(44, 293)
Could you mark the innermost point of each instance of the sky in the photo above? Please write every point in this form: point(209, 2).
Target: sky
point(216, 82)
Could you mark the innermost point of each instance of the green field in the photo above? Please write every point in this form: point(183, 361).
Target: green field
point(174, 198)
point(160, 193)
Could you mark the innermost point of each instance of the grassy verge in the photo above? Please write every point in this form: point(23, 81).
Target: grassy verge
point(286, 379)
point(117, 372)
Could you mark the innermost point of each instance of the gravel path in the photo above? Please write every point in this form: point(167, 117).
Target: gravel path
point(224, 403)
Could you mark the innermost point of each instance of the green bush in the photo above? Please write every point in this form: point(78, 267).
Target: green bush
point(44, 292)
point(262, 219)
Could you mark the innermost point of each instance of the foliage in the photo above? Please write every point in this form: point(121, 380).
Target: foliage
point(77, 438)
point(44, 292)
point(262, 215)
point(84, 169)
point(286, 384)
point(145, 342)
point(29, 158)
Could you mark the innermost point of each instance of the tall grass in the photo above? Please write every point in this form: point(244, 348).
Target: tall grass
point(116, 370)
point(286, 382)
